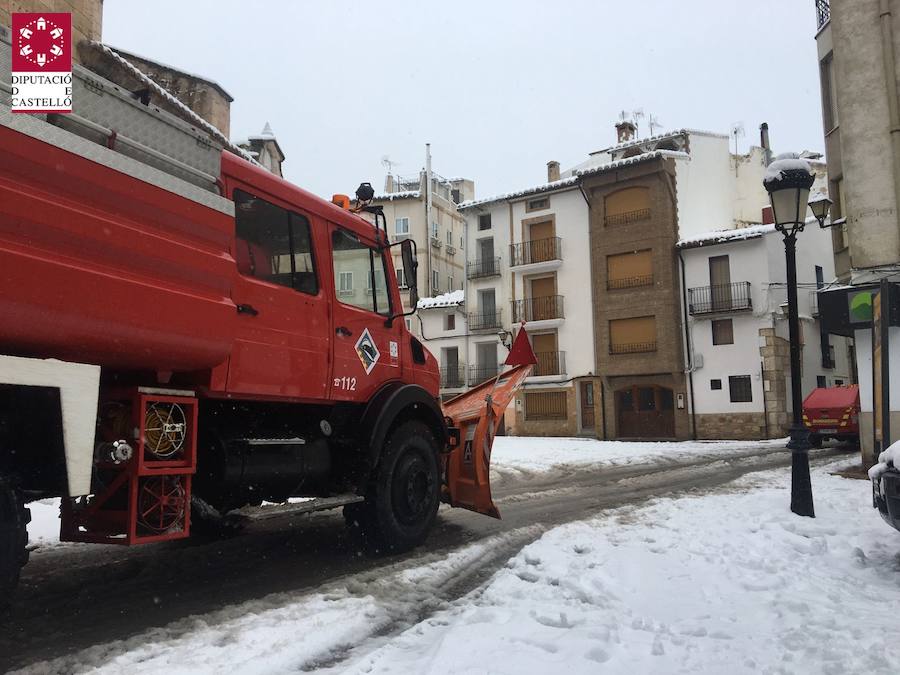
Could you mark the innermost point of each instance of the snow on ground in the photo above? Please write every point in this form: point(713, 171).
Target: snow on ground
point(517, 454)
point(44, 527)
point(724, 582)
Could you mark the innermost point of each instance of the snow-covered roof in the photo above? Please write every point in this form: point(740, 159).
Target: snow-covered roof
point(161, 91)
point(265, 135)
point(572, 181)
point(450, 299)
point(723, 236)
point(660, 137)
point(167, 66)
point(391, 196)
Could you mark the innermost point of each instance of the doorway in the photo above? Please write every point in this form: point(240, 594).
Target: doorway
point(645, 412)
point(587, 406)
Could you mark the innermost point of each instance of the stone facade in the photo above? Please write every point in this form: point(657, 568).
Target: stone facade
point(87, 16)
point(734, 426)
point(572, 425)
point(658, 231)
point(776, 364)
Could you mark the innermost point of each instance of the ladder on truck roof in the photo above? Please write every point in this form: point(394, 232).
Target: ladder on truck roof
point(110, 126)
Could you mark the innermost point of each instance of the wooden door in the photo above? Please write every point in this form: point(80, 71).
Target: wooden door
point(544, 345)
point(587, 405)
point(645, 412)
point(541, 244)
point(542, 299)
point(720, 282)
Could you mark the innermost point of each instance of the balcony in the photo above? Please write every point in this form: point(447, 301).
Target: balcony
point(626, 217)
point(481, 269)
point(481, 321)
point(450, 250)
point(632, 347)
point(436, 243)
point(453, 377)
point(629, 282)
point(547, 308)
point(720, 299)
point(823, 13)
point(549, 363)
point(536, 255)
point(478, 374)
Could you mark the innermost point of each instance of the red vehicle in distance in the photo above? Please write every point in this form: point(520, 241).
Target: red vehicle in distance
point(832, 412)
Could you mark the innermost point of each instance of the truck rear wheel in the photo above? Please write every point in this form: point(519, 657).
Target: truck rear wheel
point(403, 499)
point(14, 519)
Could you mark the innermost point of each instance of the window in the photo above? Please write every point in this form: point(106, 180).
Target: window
point(484, 221)
point(628, 336)
point(629, 270)
point(401, 226)
point(826, 78)
point(401, 277)
point(820, 381)
point(537, 204)
point(345, 284)
point(739, 388)
point(352, 258)
point(715, 385)
point(273, 244)
point(450, 322)
point(434, 231)
point(449, 237)
point(408, 324)
point(722, 332)
point(435, 281)
point(838, 383)
point(627, 206)
point(545, 405)
point(450, 283)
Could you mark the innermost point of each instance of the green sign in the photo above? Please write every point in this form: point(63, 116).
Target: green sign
point(860, 303)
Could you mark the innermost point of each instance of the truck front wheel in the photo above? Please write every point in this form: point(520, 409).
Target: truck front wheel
point(14, 519)
point(402, 500)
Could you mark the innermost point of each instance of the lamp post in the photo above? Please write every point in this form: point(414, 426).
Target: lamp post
point(788, 180)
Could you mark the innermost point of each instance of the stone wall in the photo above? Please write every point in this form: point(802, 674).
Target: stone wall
point(731, 426)
point(87, 16)
point(556, 427)
point(776, 359)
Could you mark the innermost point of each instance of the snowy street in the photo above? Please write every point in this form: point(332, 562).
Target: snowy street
point(306, 574)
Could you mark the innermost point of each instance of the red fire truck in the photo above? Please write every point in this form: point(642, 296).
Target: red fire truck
point(832, 412)
point(181, 328)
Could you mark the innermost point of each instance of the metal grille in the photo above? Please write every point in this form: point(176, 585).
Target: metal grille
point(452, 378)
point(478, 374)
point(545, 405)
point(630, 282)
point(720, 298)
point(538, 309)
point(489, 267)
point(632, 347)
point(550, 363)
point(823, 12)
point(484, 321)
point(626, 217)
point(535, 251)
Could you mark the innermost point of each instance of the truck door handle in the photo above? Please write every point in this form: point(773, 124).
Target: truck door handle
point(343, 330)
point(247, 309)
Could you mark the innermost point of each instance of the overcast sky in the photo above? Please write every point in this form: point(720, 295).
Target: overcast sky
point(497, 87)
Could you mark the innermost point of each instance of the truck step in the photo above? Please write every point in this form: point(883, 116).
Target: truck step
point(256, 513)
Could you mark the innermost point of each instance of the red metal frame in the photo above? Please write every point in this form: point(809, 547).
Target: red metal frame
point(112, 515)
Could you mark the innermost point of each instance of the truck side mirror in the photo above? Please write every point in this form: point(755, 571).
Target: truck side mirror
point(410, 270)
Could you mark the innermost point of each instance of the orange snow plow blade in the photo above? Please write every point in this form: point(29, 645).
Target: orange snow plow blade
point(478, 414)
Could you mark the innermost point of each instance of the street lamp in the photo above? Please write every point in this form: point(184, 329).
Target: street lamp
point(788, 180)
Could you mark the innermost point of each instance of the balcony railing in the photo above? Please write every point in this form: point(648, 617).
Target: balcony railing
point(550, 363)
point(823, 12)
point(632, 347)
point(453, 377)
point(535, 251)
point(720, 298)
point(626, 217)
point(538, 309)
point(480, 321)
point(487, 267)
point(478, 374)
point(629, 282)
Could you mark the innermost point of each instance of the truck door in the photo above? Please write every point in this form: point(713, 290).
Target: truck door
point(283, 338)
point(366, 352)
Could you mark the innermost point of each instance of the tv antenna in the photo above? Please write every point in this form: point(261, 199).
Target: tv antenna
point(654, 123)
point(388, 164)
point(638, 116)
point(737, 131)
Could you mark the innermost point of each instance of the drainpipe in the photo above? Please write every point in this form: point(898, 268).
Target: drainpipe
point(890, 78)
point(687, 343)
point(428, 216)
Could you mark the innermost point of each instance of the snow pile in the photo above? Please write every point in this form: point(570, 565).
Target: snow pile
point(786, 162)
point(721, 236)
point(391, 196)
point(729, 582)
point(449, 299)
point(886, 460)
point(516, 454)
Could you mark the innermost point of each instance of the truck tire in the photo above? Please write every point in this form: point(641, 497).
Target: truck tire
point(815, 440)
point(14, 518)
point(403, 498)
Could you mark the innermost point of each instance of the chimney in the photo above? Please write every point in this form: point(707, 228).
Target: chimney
point(764, 142)
point(389, 184)
point(625, 131)
point(552, 170)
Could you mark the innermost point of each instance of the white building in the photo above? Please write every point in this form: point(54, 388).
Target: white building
point(737, 329)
